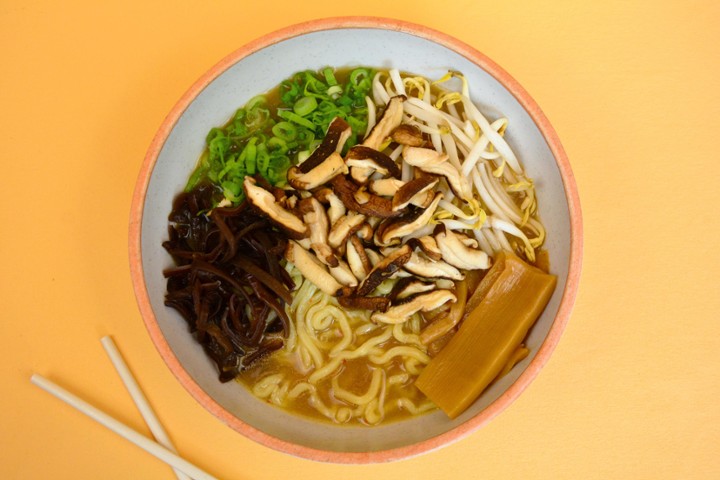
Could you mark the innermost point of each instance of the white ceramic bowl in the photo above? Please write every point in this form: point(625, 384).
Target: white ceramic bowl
point(254, 69)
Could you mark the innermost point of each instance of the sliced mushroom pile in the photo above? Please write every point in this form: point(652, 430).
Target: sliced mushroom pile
point(353, 222)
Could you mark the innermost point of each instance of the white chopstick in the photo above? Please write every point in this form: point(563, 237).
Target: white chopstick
point(121, 429)
point(139, 398)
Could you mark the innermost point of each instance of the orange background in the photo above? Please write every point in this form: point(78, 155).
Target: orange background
point(632, 89)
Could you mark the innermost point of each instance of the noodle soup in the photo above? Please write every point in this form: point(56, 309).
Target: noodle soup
point(344, 365)
point(335, 237)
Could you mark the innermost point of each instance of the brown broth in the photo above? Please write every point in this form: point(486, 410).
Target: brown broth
point(356, 376)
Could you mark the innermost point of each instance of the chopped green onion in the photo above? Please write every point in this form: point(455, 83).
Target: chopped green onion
point(305, 136)
point(334, 91)
point(250, 154)
point(199, 173)
point(285, 131)
point(232, 191)
point(213, 134)
point(238, 129)
point(239, 114)
point(263, 162)
point(302, 156)
point(357, 76)
point(292, 90)
point(357, 124)
point(277, 144)
point(232, 187)
point(228, 166)
point(219, 145)
point(314, 84)
point(305, 105)
point(262, 139)
point(295, 118)
point(329, 77)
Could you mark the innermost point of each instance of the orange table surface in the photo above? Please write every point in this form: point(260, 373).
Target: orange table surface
point(632, 89)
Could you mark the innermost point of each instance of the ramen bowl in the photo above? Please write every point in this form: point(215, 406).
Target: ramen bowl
point(258, 67)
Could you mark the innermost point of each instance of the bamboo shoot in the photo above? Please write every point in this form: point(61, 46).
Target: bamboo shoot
point(513, 295)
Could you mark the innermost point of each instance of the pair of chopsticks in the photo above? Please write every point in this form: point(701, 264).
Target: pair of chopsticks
point(162, 448)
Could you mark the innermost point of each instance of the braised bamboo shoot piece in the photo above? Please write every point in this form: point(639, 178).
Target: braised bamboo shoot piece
point(489, 336)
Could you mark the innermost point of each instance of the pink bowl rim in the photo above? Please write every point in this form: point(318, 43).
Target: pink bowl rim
point(482, 418)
